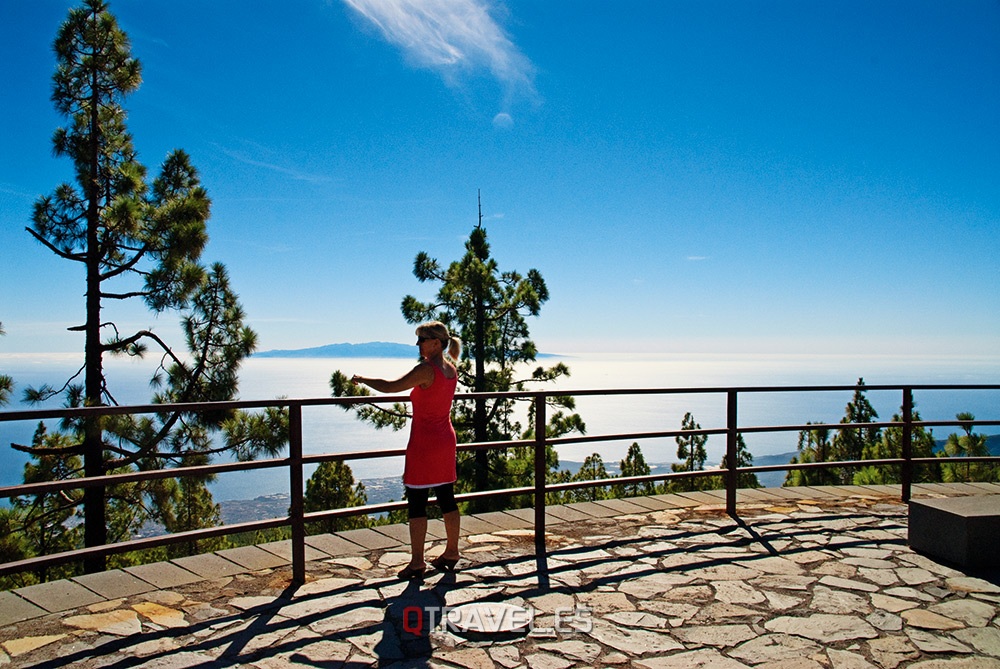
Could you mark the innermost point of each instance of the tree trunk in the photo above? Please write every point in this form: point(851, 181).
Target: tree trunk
point(95, 530)
point(480, 423)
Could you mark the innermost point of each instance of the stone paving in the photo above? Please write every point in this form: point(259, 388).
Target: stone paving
point(804, 578)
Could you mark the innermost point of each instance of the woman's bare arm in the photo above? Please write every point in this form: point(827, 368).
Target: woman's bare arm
point(421, 375)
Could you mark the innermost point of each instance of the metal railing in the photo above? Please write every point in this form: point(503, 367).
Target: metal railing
point(296, 461)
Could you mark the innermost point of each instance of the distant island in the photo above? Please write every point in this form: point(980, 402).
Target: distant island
point(374, 349)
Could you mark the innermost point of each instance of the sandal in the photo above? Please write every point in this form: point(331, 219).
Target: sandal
point(441, 563)
point(411, 573)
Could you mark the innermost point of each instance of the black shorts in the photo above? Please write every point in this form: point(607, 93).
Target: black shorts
point(416, 500)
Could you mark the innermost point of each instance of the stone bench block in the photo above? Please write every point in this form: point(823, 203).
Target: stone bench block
point(962, 530)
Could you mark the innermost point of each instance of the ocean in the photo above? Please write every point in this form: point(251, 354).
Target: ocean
point(331, 429)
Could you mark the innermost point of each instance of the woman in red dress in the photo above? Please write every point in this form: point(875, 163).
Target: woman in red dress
point(430, 452)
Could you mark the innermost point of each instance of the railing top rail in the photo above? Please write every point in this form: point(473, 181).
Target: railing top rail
point(79, 412)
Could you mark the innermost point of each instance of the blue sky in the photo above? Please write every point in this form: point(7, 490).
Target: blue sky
point(687, 175)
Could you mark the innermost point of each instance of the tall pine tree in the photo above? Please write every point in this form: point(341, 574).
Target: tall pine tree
point(851, 443)
point(135, 241)
point(488, 309)
point(692, 455)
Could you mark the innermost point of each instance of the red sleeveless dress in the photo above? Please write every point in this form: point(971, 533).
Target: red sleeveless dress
point(431, 451)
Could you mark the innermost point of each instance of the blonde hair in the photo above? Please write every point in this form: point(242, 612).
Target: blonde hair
point(438, 330)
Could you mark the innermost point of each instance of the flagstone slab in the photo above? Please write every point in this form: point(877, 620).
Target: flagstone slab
point(17, 647)
point(816, 491)
point(253, 558)
point(973, 585)
point(720, 636)
point(677, 501)
point(929, 642)
point(963, 488)
point(475, 524)
point(848, 584)
point(398, 532)
point(782, 493)
point(756, 495)
point(526, 515)
point(622, 507)
point(703, 497)
point(890, 603)
point(930, 489)
point(579, 511)
point(209, 565)
point(551, 518)
point(651, 503)
point(334, 545)
point(930, 620)
point(14, 609)
point(972, 612)
point(823, 627)
point(119, 622)
point(507, 521)
point(369, 539)
point(59, 595)
point(958, 663)
point(114, 584)
point(774, 648)
point(283, 549)
point(164, 616)
point(635, 642)
point(984, 639)
point(695, 659)
point(986, 488)
point(164, 575)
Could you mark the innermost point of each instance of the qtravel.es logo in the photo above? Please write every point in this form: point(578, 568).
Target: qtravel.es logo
point(493, 618)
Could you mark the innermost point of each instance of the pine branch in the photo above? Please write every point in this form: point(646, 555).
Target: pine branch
point(35, 450)
point(125, 296)
point(78, 257)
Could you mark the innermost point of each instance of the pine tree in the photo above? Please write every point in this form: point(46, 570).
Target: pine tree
point(692, 455)
point(487, 308)
point(135, 241)
point(967, 445)
point(743, 459)
point(332, 486)
point(814, 446)
point(890, 445)
point(46, 517)
point(634, 464)
point(852, 443)
point(6, 382)
point(14, 547)
point(592, 470)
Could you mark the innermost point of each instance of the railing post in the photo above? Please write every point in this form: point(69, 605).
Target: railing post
point(906, 471)
point(295, 489)
point(731, 477)
point(541, 469)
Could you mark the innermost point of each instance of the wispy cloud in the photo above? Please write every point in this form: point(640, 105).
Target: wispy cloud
point(296, 174)
point(452, 37)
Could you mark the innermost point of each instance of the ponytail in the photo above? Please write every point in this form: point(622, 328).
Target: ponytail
point(454, 348)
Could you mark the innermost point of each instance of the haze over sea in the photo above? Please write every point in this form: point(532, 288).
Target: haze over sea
point(330, 429)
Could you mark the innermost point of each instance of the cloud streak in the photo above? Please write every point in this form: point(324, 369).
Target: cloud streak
point(295, 174)
point(451, 37)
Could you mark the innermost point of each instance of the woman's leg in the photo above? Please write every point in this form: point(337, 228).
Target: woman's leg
point(416, 500)
point(452, 519)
